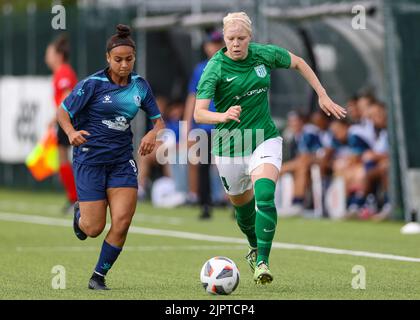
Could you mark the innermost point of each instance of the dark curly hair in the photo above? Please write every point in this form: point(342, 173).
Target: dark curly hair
point(121, 38)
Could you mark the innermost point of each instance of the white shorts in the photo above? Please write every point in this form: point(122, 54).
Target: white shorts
point(235, 172)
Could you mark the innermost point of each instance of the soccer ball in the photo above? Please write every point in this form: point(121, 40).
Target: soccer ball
point(219, 275)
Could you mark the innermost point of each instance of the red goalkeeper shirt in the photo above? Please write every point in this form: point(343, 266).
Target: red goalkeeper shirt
point(64, 79)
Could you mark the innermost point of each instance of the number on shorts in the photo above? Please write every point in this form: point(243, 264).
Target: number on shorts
point(133, 164)
point(225, 184)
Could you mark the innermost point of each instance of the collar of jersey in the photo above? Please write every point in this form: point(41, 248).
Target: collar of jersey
point(112, 82)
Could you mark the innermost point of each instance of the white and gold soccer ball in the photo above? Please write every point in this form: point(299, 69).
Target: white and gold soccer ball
point(219, 275)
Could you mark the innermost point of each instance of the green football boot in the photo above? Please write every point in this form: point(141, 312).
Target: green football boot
point(251, 258)
point(262, 274)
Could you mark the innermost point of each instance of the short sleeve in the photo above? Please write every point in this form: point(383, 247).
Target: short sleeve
point(149, 104)
point(78, 98)
point(278, 57)
point(208, 82)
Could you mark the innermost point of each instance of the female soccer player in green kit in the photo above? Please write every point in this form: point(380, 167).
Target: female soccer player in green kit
point(237, 78)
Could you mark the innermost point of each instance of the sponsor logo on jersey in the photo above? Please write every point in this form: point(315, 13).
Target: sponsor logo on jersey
point(137, 101)
point(231, 79)
point(119, 124)
point(252, 92)
point(260, 71)
point(107, 99)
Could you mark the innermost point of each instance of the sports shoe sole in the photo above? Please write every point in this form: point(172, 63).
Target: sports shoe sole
point(264, 278)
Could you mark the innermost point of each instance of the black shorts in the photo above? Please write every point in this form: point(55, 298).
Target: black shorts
point(62, 138)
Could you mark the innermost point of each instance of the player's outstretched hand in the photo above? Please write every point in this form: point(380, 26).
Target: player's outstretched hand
point(77, 138)
point(329, 107)
point(232, 113)
point(147, 144)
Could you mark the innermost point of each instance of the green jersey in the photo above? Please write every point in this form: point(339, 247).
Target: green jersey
point(245, 83)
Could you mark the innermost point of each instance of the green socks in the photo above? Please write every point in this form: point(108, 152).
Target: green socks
point(245, 216)
point(266, 217)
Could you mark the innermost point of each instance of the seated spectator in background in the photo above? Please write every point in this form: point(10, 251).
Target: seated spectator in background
point(313, 145)
point(361, 158)
point(322, 142)
point(363, 103)
point(353, 112)
point(347, 163)
point(292, 133)
point(376, 165)
point(360, 141)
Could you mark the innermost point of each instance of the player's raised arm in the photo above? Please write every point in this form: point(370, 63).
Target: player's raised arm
point(325, 102)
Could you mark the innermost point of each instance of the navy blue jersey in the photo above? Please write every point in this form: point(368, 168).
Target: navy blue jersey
point(313, 139)
point(105, 110)
point(361, 137)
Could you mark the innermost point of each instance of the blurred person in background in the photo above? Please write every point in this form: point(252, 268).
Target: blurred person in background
point(64, 79)
point(178, 170)
point(376, 164)
point(96, 117)
point(201, 173)
point(238, 79)
point(354, 113)
point(297, 162)
point(364, 101)
point(292, 133)
point(313, 146)
point(353, 146)
point(346, 162)
point(148, 162)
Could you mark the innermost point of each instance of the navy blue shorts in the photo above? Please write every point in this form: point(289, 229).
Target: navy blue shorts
point(92, 181)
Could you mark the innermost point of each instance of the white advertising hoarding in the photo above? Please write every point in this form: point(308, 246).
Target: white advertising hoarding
point(26, 108)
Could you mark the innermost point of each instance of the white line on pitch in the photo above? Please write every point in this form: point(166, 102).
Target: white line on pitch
point(203, 237)
point(54, 208)
point(126, 248)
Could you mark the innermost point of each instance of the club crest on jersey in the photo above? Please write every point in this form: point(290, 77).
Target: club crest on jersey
point(137, 101)
point(260, 71)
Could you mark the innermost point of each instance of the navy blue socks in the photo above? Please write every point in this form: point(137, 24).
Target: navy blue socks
point(109, 254)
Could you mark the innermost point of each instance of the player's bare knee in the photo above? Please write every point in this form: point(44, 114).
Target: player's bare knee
point(94, 231)
point(122, 225)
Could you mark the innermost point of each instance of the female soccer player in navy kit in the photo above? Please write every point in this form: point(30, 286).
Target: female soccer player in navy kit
point(96, 118)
